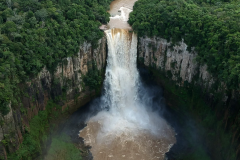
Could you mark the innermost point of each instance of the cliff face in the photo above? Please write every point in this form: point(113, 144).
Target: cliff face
point(174, 59)
point(65, 80)
point(180, 66)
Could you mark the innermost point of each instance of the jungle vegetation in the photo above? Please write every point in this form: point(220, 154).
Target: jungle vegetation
point(38, 33)
point(212, 27)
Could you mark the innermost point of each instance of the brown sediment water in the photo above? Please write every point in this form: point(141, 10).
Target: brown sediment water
point(141, 145)
point(119, 11)
point(129, 130)
point(117, 4)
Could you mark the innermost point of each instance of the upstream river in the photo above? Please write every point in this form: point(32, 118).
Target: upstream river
point(119, 11)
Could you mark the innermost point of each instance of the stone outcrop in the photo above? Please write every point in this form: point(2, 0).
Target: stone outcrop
point(176, 59)
point(180, 66)
point(66, 79)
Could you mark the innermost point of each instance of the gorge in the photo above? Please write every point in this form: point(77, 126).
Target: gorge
point(194, 115)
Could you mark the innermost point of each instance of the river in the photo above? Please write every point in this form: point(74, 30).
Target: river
point(119, 11)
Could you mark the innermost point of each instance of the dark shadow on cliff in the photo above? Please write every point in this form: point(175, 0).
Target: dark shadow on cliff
point(66, 135)
point(189, 145)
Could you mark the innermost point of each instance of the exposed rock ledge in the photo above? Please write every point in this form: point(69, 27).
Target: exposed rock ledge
point(49, 85)
point(175, 59)
point(179, 65)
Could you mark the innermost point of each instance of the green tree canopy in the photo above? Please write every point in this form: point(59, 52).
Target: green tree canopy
point(35, 33)
point(211, 26)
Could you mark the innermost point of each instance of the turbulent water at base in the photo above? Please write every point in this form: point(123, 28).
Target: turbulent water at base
point(127, 127)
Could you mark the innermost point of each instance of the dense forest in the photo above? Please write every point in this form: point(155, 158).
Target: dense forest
point(38, 33)
point(212, 27)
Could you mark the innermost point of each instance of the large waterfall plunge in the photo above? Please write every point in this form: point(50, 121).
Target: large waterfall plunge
point(121, 83)
point(126, 127)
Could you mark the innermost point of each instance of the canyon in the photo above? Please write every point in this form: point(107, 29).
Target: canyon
point(173, 61)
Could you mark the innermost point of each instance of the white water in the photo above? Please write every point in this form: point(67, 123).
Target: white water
point(122, 86)
point(127, 117)
point(126, 127)
point(120, 21)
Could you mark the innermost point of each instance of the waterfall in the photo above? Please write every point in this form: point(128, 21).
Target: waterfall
point(125, 101)
point(126, 127)
point(128, 124)
point(121, 83)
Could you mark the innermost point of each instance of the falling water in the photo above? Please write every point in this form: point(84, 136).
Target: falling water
point(121, 84)
point(126, 128)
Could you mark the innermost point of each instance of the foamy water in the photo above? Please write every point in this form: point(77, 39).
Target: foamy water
point(119, 11)
point(126, 128)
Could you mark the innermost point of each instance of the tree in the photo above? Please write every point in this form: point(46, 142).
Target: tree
point(10, 27)
point(42, 14)
point(9, 3)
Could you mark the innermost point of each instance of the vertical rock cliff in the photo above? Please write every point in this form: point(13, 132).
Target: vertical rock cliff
point(175, 59)
point(179, 65)
point(66, 80)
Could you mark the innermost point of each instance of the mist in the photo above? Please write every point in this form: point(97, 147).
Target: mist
point(129, 110)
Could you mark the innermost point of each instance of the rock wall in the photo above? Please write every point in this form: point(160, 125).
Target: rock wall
point(176, 59)
point(66, 79)
point(180, 65)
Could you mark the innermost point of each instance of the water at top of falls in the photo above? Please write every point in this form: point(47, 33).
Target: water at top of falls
point(120, 10)
point(116, 4)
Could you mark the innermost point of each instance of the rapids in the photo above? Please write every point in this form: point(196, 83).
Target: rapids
point(119, 11)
